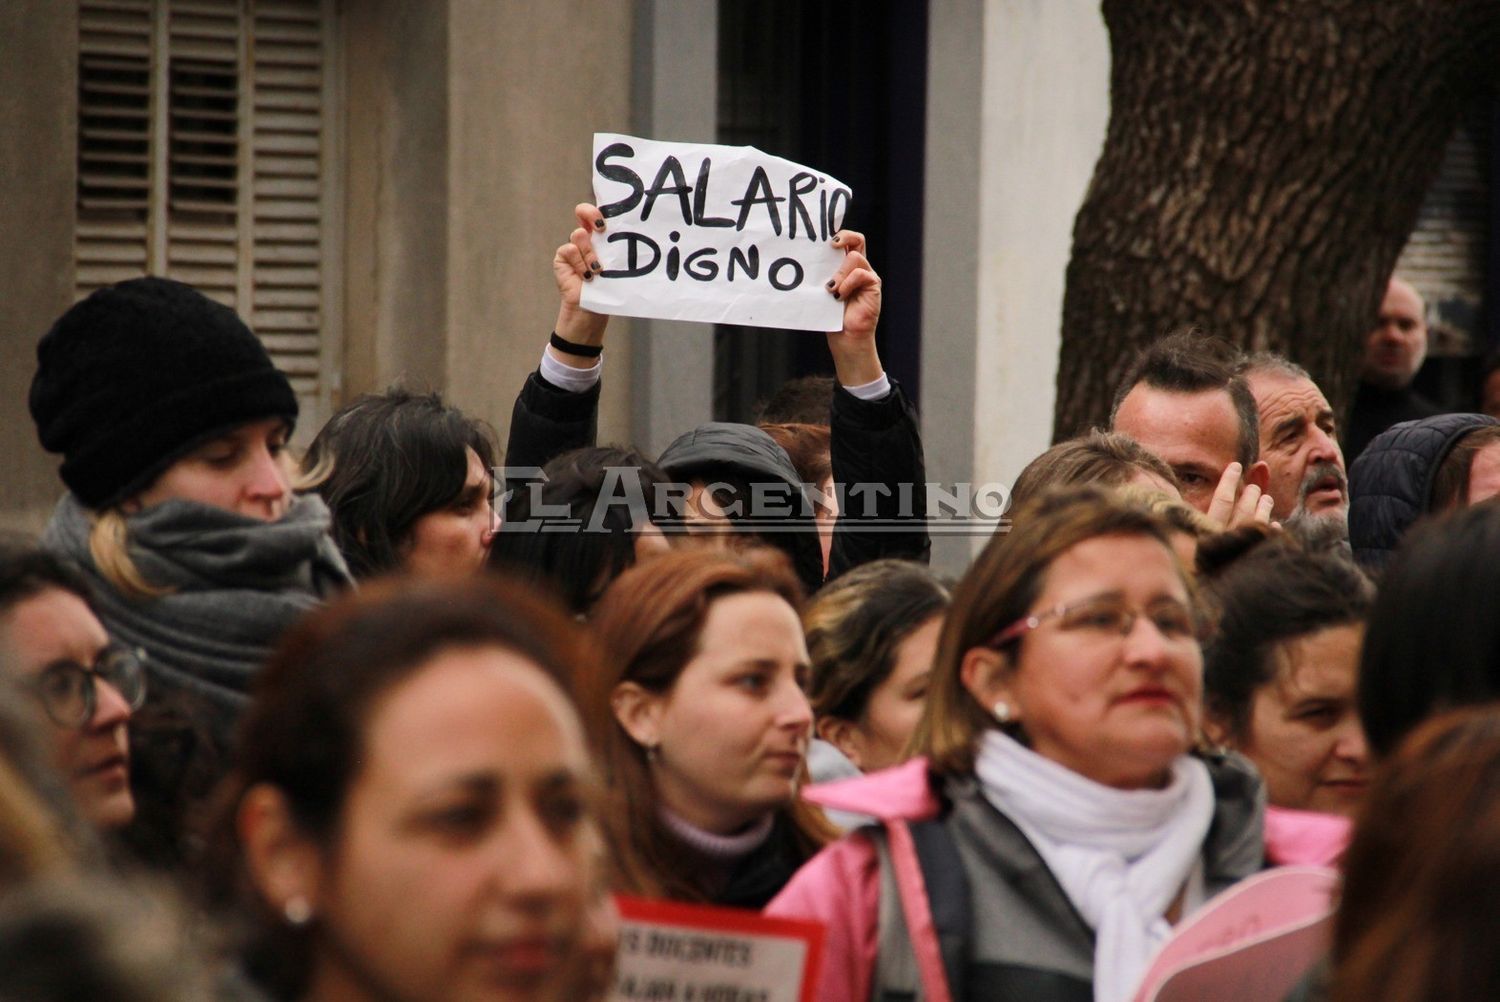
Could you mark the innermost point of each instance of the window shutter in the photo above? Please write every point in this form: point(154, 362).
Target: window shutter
point(114, 142)
point(287, 201)
point(204, 144)
point(1446, 253)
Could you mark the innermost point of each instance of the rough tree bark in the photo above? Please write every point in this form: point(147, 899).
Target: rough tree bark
point(1263, 167)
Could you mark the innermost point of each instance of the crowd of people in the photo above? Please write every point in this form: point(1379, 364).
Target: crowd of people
point(375, 724)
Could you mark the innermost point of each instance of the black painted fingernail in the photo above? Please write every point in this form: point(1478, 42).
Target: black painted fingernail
point(830, 283)
point(599, 224)
point(597, 266)
point(835, 293)
point(588, 276)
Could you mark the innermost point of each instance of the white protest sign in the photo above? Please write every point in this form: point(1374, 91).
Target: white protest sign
point(714, 234)
point(692, 953)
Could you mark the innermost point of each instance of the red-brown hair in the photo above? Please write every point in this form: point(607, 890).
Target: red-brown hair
point(1421, 899)
point(649, 622)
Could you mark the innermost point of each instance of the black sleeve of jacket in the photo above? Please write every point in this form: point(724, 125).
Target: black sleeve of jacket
point(878, 463)
point(548, 421)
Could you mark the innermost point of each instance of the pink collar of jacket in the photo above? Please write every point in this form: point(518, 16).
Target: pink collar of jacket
point(1305, 837)
point(902, 792)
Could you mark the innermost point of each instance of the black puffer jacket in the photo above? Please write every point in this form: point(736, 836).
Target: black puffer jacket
point(1390, 484)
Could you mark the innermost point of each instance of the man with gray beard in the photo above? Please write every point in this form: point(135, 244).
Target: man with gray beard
point(1299, 442)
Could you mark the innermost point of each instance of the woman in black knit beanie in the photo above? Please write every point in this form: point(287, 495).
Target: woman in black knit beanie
point(173, 423)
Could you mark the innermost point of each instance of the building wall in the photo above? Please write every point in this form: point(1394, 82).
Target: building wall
point(396, 136)
point(469, 139)
point(529, 85)
point(466, 141)
point(38, 177)
point(1018, 101)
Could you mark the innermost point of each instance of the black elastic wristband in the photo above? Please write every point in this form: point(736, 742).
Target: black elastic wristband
point(568, 347)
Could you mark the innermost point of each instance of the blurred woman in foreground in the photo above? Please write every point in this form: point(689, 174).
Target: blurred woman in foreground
point(1421, 897)
point(412, 809)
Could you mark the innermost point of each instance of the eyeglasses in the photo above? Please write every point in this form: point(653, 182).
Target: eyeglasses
point(70, 694)
point(1106, 616)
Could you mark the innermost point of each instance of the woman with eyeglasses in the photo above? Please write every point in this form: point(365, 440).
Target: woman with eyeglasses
point(85, 686)
point(1060, 822)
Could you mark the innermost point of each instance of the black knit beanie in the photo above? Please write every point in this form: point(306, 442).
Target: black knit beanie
point(136, 374)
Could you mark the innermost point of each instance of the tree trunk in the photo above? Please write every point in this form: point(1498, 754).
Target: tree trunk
point(1263, 168)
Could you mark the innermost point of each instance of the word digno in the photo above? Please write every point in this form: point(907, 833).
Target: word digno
point(723, 234)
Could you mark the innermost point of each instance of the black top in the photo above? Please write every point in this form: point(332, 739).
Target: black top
point(1376, 409)
point(876, 452)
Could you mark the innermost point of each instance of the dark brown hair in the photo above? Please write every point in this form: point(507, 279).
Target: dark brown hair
point(1271, 595)
point(1450, 482)
point(385, 460)
point(854, 626)
point(649, 622)
point(1433, 642)
point(1191, 361)
point(593, 487)
point(1421, 896)
point(804, 400)
point(807, 445)
point(304, 731)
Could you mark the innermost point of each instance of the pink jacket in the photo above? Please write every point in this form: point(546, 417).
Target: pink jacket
point(1305, 837)
point(840, 886)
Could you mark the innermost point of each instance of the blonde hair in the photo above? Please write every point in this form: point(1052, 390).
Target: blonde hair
point(109, 535)
point(1178, 514)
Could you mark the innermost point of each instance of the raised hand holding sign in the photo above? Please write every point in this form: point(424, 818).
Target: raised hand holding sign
point(715, 234)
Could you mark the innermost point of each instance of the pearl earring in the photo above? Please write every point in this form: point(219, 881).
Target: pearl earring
point(1001, 710)
point(297, 911)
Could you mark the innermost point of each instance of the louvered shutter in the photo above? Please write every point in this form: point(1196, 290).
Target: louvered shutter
point(203, 147)
point(114, 142)
point(288, 148)
point(1445, 257)
point(204, 136)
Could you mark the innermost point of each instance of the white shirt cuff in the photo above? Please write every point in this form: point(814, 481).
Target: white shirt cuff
point(877, 389)
point(565, 377)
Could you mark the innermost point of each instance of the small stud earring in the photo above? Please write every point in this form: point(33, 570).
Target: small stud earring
point(1001, 711)
point(297, 911)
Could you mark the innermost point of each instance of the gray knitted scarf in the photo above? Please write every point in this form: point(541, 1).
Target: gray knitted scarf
point(237, 583)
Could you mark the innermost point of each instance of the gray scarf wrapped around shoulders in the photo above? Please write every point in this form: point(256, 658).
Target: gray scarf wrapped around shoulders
point(236, 584)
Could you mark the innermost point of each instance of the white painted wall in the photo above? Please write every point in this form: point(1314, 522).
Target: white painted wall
point(1018, 102)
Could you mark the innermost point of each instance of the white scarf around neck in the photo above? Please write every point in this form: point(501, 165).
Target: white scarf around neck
point(1122, 856)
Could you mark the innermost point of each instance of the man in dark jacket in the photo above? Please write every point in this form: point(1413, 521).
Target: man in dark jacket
point(1394, 350)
